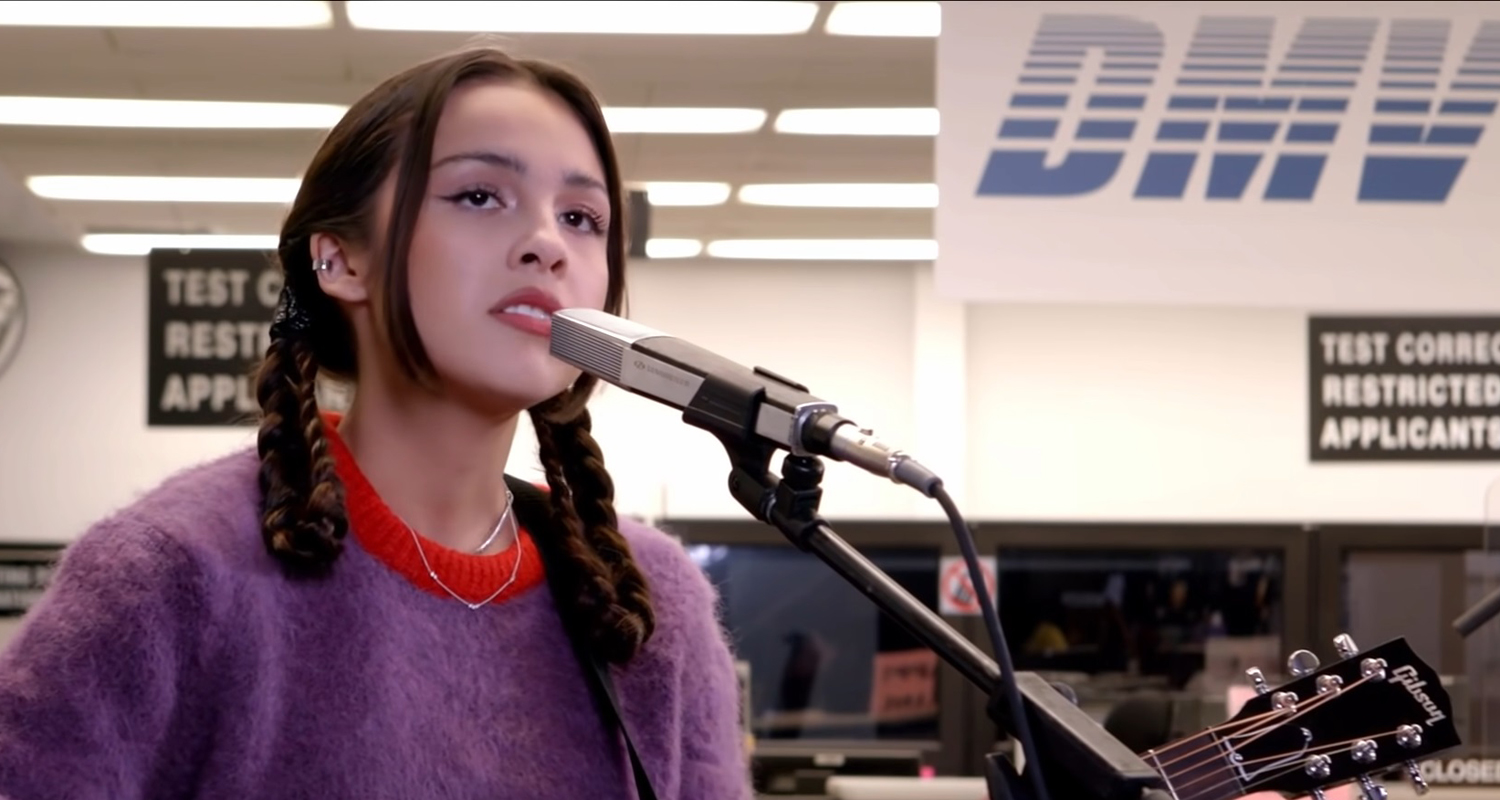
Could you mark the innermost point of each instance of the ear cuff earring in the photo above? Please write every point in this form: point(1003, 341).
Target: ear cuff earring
point(321, 265)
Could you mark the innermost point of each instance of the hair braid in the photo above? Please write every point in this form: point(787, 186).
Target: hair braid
point(611, 597)
point(303, 519)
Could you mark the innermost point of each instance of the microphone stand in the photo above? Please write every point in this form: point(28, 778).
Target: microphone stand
point(1081, 761)
point(1478, 614)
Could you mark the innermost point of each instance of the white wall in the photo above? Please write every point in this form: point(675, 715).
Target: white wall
point(1130, 413)
point(844, 331)
point(73, 436)
point(1107, 413)
point(74, 442)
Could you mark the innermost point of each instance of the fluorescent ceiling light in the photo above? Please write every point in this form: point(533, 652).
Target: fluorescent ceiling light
point(684, 120)
point(859, 121)
point(825, 249)
point(139, 244)
point(841, 195)
point(686, 193)
point(885, 19)
point(701, 18)
point(673, 248)
point(114, 113)
point(148, 14)
point(150, 189)
point(122, 113)
point(130, 189)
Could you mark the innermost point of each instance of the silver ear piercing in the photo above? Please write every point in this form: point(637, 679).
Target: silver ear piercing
point(321, 265)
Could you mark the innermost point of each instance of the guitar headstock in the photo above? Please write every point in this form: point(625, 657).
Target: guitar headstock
point(1344, 722)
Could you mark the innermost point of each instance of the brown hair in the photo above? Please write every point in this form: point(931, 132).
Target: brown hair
point(391, 130)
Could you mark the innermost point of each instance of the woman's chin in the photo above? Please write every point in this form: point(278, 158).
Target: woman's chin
point(513, 383)
point(501, 401)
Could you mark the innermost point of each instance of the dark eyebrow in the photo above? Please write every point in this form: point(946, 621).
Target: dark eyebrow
point(484, 156)
point(574, 179)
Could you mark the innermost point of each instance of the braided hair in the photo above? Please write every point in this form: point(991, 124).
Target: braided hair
point(390, 132)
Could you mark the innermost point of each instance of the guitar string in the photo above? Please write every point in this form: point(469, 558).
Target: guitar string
point(1252, 720)
point(1312, 703)
point(1334, 748)
point(1242, 789)
point(1308, 706)
point(1233, 724)
point(1261, 782)
point(1290, 715)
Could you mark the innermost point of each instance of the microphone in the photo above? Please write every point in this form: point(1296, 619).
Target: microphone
point(726, 398)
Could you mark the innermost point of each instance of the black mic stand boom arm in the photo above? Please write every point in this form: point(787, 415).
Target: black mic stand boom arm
point(1081, 761)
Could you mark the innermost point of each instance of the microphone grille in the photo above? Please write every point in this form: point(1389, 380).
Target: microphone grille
point(583, 346)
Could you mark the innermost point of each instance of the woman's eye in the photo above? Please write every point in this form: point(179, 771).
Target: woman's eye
point(475, 198)
point(582, 220)
point(478, 198)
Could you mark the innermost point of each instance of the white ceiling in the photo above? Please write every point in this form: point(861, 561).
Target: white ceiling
point(815, 70)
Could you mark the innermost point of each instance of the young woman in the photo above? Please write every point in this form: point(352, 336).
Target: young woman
point(360, 607)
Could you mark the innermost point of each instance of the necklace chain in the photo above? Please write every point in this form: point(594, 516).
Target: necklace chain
point(485, 545)
point(515, 569)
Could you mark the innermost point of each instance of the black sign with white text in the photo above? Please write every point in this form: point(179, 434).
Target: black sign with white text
point(1404, 388)
point(210, 319)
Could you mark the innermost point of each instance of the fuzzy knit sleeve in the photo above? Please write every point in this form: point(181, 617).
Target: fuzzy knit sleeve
point(90, 684)
point(715, 762)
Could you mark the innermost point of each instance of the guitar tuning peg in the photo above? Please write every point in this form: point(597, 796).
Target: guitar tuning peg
point(1258, 680)
point(1372, 790)
point(1302, 663)
point(1329, 683)
point(1344, 645)
point(1414, 773)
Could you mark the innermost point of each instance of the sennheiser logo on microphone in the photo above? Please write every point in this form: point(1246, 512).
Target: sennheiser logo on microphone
point(652, 369)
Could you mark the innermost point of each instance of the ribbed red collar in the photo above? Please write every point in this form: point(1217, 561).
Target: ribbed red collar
point(381, 533)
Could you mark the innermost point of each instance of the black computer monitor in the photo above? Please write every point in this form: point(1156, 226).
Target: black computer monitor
point(824, 662)
point(830, 676)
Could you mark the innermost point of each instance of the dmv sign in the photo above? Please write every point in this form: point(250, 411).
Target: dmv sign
point(1262, 143)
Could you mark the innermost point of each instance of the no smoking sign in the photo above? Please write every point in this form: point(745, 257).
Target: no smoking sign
point(956, 596)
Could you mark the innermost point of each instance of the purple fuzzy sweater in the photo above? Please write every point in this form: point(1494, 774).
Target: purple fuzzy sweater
point(171, 658)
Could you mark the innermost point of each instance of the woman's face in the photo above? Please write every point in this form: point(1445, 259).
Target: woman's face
point(513, 227)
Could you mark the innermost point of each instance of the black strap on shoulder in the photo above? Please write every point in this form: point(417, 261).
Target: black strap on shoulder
point(534, 511)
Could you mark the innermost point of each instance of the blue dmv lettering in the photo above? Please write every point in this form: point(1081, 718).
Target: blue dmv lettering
point(1228, 93)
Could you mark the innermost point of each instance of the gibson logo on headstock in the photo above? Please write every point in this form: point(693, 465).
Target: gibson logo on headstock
point(1407, 676)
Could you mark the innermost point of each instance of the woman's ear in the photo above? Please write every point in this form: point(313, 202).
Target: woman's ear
point(341, 274)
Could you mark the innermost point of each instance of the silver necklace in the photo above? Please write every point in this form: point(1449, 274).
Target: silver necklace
point(485, 545)
point(514, 570)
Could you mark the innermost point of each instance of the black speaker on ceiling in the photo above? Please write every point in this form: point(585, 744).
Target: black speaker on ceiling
point(638, 215)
